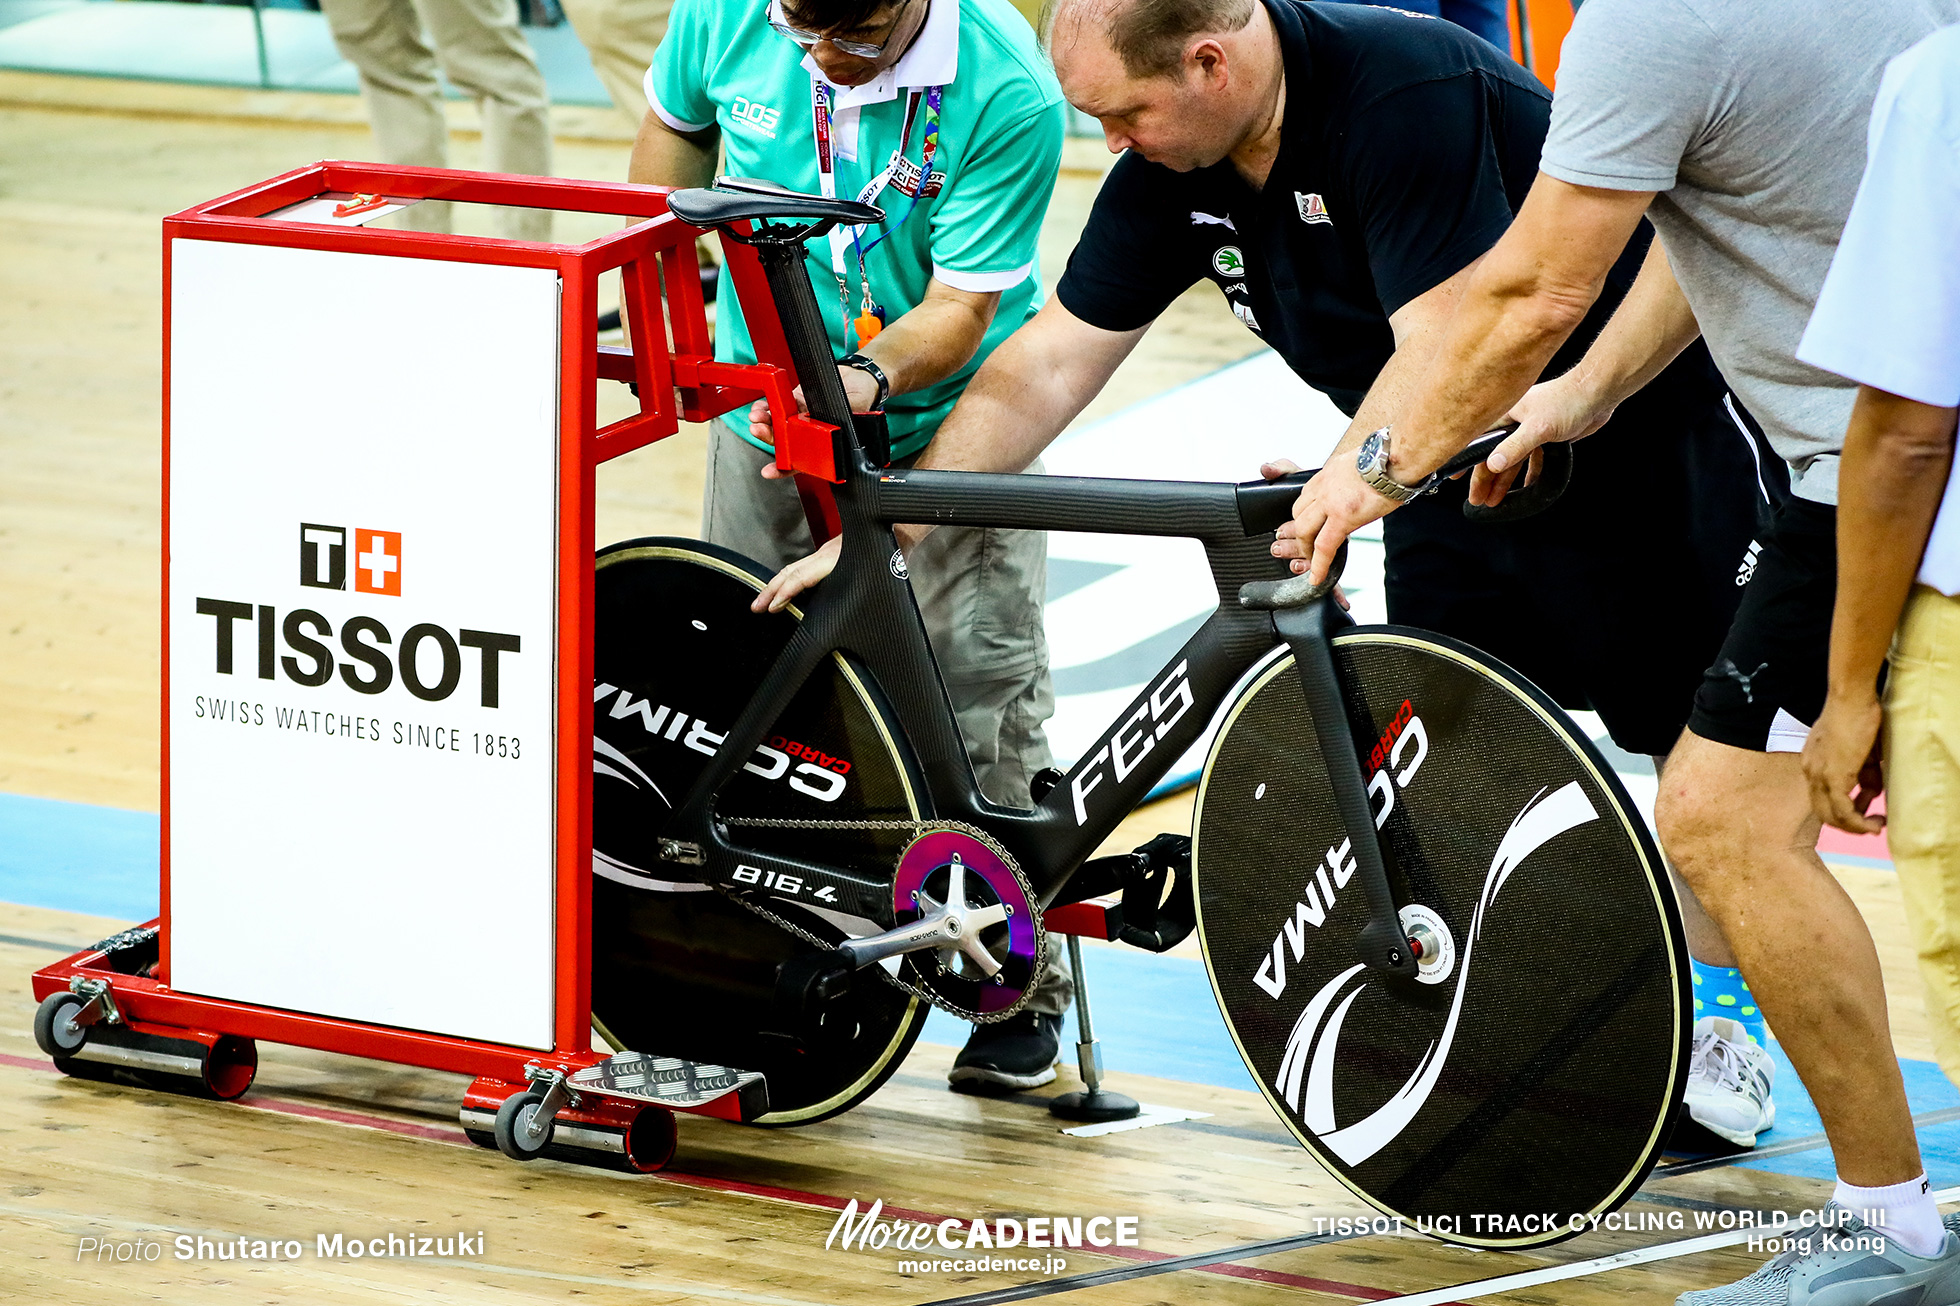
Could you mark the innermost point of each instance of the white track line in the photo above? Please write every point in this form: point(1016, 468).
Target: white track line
point(1599, 1265)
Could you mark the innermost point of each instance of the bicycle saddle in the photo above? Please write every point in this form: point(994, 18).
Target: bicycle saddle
point(742, 199)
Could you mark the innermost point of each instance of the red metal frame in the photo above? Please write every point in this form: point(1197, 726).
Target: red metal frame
point(672, 362)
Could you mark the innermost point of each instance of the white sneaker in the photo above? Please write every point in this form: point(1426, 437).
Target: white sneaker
point(1845, 1263)
point(1729, 1080)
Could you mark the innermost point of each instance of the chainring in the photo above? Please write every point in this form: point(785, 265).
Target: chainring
point(1019, 945)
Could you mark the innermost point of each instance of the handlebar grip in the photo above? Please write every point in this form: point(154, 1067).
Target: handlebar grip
point(1293, 591)
point(1553, 479)
point(1477, 450)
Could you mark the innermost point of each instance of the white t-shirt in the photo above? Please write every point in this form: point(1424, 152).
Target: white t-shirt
point(1889, 313)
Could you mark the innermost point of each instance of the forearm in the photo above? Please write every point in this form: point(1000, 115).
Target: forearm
point(1894, 470)
point(1419, 327)
point(1505, 331)
point(1394, 385)
point(1529, 294)
point(930, 342)
point(1029, 390)
point(663, 157)
point(1013, 409)
point(1651, 327)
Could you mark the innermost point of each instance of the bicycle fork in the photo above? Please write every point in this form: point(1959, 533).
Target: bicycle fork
point(1306, 618)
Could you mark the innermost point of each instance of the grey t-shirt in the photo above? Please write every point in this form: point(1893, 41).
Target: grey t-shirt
point(1749, 119)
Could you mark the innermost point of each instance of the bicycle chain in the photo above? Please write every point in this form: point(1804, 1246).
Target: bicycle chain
point(916, 829)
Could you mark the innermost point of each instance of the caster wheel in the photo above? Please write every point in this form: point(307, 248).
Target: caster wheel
point(51, 1027)
point(514, 1117)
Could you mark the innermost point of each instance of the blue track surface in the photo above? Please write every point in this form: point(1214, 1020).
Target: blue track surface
point(1154, 1015)
point(74, 857)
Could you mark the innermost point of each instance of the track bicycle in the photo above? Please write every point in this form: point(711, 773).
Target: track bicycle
point(1436, 926)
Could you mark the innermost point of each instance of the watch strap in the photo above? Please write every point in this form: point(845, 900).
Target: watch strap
point(875, 372)
point(1377, 478)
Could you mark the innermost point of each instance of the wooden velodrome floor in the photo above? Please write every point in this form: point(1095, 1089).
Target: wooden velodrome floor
point(327, 1144)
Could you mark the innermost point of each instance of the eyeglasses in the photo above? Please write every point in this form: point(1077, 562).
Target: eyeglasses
point(861, 49)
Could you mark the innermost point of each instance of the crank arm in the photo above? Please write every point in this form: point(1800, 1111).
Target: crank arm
point(952, 925)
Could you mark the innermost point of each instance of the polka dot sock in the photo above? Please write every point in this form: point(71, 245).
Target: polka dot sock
point(1721, 991)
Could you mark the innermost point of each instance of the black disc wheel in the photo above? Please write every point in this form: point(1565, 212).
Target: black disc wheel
point(515, 1121)
point(1531, 1068)
point(51, 1025)
point(678, 970)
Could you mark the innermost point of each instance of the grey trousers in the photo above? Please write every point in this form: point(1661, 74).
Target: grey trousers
point(980, 592)
point(621, 37)
point(484, 55)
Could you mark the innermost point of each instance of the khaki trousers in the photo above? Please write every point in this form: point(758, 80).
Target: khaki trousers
point(980, 593)
point(621, 36)
point(1922, 801)
point(478, 46)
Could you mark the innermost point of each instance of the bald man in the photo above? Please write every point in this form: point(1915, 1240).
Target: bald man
point(1338, 172)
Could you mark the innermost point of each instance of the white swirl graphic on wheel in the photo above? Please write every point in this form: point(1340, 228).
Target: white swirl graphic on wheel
point(1535, 826)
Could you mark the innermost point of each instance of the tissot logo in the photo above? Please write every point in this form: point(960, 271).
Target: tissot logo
point(377, 561)
point(427, 660)
point(323, 556)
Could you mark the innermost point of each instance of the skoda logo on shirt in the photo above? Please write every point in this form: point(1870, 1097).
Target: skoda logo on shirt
point(1228, 262)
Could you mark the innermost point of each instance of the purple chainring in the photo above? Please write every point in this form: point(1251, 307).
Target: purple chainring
point(932, 852)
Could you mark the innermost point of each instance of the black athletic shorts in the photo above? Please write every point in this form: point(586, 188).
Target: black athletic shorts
point(1766, 686)
point(1618, 597)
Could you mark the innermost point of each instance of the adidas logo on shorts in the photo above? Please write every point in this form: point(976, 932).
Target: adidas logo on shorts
point(1745, 572)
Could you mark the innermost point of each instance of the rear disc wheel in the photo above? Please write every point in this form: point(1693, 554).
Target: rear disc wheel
point(678, 969)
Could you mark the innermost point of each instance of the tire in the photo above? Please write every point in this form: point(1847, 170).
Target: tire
point(51, 1017)
point(512, 1117)
point(679, 970)
point(1536, 1066)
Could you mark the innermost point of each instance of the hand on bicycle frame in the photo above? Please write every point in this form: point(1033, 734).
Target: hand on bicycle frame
point(805, 573)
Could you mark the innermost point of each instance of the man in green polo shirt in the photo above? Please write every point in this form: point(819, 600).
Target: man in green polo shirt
point(945, 114)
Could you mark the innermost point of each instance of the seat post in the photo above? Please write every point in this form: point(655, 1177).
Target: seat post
point(803, 330)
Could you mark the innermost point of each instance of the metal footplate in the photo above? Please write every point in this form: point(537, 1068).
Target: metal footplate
point(618, 1114)
point(677, 1085)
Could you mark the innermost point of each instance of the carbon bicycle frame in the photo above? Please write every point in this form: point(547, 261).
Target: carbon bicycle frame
point(866, 609)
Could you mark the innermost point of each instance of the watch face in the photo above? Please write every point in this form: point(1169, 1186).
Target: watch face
point(1370, 456)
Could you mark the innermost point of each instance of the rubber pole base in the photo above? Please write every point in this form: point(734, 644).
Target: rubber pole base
point(1095, 1106)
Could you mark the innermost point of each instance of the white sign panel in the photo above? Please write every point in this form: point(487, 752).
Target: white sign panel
point(363, 528)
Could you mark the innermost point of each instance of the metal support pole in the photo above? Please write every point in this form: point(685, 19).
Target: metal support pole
point(1091, 1103)
point(1088, 1057)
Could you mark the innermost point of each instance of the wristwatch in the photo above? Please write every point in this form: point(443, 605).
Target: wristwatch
point(876, 373)
point(1372, 464)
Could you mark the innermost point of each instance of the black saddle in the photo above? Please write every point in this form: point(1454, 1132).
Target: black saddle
point(743, 199)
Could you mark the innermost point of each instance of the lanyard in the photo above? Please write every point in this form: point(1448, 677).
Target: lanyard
point(841, 236)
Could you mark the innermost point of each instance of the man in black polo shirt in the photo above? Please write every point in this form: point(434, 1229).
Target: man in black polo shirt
point(1337, 171)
